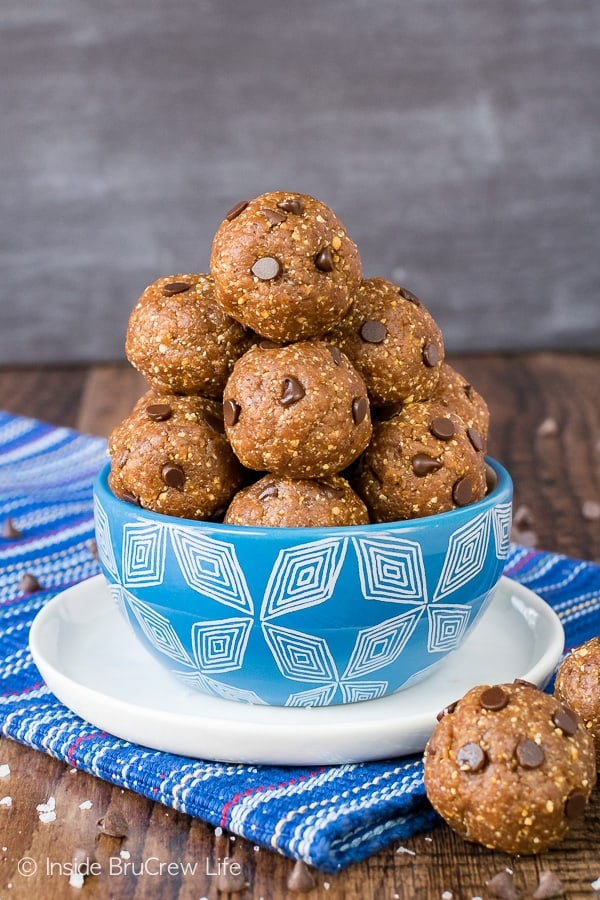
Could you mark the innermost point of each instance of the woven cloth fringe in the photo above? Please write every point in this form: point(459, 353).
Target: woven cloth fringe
point(329, 816)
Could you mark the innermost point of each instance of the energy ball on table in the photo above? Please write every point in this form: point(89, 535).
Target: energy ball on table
point(299, 410)
point(578, 684)
point(510, 767)
point(277, 501)
point(455, 392)
point(170, 455)
point(181, 340)
point(284, 266)
point(419, 462)
point(393, 341)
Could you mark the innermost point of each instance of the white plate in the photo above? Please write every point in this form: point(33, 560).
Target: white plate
point(90, 660)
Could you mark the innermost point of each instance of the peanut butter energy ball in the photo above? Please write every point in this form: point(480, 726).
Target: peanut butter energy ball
point(170, 455)
point(393, 342)
point(300, 410)
point(284, 266)
point(181, 340)
point(421, 461)
point(277, 501)
point(454, 391)
point(578, 684)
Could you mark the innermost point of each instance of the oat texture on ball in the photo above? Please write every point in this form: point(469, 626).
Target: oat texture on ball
point(578, 684)
point(510, 767)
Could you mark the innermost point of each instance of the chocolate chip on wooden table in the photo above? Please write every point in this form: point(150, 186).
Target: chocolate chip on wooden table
point(549, 886)
point(291, 392)
point(175, 287)
point(113, 824)
point(324, 260)
point(301, 879)
point(266, 268)
point(236, 210)
point(373, 332)
point(502, 886)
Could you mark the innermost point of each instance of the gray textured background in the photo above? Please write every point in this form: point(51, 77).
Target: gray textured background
point(458, 141)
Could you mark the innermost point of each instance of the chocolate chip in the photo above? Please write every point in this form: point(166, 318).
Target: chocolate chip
point(159, 412)
point(408, 295)
point(373, 332)
point(10, 530)
point(549, 885)
point(493, 698)
point(565, 719)
point(28, 583)
point(431, 355)
point(291, 391)
point(271, 490)
point(231, 412)
point(266, 344)
point(173, 476)
point(230, 880)
point(324, 260)
point(468, 389)
point(113, 824)
point(236, 210)
point(301, 879)
point(130, 498)
point(447, 710)
point(524, 683)
point(175, 287)
point(266, 268)
point(293, 205)
point(477, 441)
point(442, 428)
point(274, 216)
point(360, 408)
point(462, 491)
point(214, 422)
point(529, 754)
point(335, 354)
point(471, 757)
point(575, 805)
point(502, 886)
point(491, 479)
point(423, 464)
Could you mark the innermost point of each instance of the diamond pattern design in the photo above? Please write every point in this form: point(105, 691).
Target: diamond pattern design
point(219, 646)
point(143, 554)
point(447, 625)
point(103, 539)
point(465, 557)
point(391, 569)
point(301, 656)
point(303, 576)
point(502, 521)
point(218, 688)
point(380, 645)
point(355, 692)
point(319, 696)
point(157, 629)
point(212, 568)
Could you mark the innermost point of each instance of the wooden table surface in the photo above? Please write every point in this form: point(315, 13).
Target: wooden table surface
point(554, 476)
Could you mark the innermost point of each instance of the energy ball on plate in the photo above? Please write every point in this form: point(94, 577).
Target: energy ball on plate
point(181, 340)
point(578, 684)
point(510, 767)
point(300, 410)
point(393, 341)
point(284, 266)
point(170, 455)
point(420, 462)
point(277, 501)
point(455, 392)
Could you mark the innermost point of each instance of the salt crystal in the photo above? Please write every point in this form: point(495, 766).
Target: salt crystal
point(595, 885)
point(49, 806)
point(429, 839)
point(447, 895)
point(76, 879)
point(548, 427)
point(4, 770)
point(87, 804)
point(6, 801)
point(590, 510)
point(49, 816)
point(326, 885)
point(218, 831)
point(406, 850)
point(125, 854)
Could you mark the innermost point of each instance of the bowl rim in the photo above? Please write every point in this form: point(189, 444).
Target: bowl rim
point(500, 493)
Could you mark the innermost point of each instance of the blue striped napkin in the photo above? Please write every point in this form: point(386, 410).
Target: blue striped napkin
point(329, 816)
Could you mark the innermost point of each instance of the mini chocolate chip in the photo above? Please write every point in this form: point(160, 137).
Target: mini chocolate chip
point(159, 412)
point(175, 287)
point(408, 295)
point(291, 391)
point(529, 754)
point(575, 805)
point(373, 332)
point(447, 710)
point(442, 428)
point(173, 476)
point(214, 422)
point(301, 879)
point(10, 530)
point(266, 268)
point(231, 412)
point(113, 824)
point(431, 355)
point(493, 698)
point(274, 216)
point(477, 441)
point(293, 205)
point(549, 885)
point(565, 719)
point(266, 344)
point(236, 210)
point(462, 492)
point(130, 498)
point(28, 583)
point(471, 757)
point(271, 490)
point(335, 354)
point(360, 408)
point(423, 464)
point(324, 260)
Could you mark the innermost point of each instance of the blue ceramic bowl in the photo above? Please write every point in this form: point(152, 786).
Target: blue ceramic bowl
point(303, 616)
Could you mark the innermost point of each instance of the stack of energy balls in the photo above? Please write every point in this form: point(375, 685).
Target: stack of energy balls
point(285, 390)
